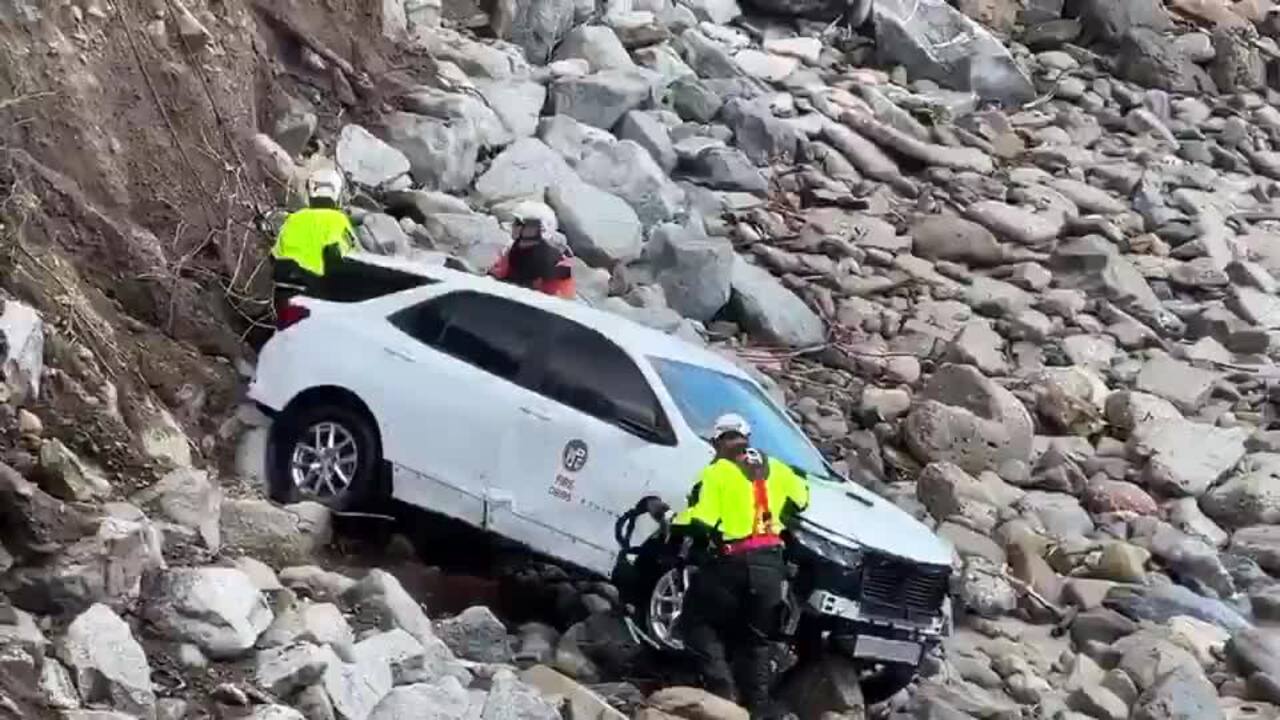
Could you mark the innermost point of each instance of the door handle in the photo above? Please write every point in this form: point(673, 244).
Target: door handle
point(398, 354)
point(534, 413)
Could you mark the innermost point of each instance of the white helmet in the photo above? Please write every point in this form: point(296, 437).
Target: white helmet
point(325, 183)
point(730, 423)
point(533, 211)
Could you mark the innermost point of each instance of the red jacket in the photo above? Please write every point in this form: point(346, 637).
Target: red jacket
point(561, 285)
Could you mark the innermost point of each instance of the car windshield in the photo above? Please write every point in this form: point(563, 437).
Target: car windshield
point(703, 395)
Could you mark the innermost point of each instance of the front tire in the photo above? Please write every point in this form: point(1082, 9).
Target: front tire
point(326, 452)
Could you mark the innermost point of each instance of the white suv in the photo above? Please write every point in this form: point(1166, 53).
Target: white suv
point(544, 421)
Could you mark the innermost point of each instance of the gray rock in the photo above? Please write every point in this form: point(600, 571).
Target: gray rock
point(476, 634)
point(1185, 514)
point(1238, 65)
point(517, 103)
point(410, 660)
point(627, 170)
point(380, 233)
point(1181, 694)
point(23, 355)
point(319, 623)
point(104, 567)
point(367, 160)
point(1249, 497)
point(1161, 601)
point(978, 345)
point(524, 170)
point(537, 26)
point(284, 535)
point(218, 609)
point(694, 100)
point(708, 58)
point(294, 125)
point(601, 227)
point(1254, 650)
point(1057, 515)
point(602, 98)
point(455, 109)
point(1186, 386)
point(905, 35)
point(946, 237)
point(108, 664)
point(510, 699)
point(356, 688)
point(273, 712)
point(762, 137)
point(649, 132)
point(443, 700)
point(1258, 307)
point(572, 139)
point(598, 45)
point(285, 670)
point(1193, 561)
point(951, 494)
point(57, 687)
point(772, 311)
point(1186, 458)
point(1260, 543)
point(442, 152)
point(695, 270)
point(1152, 60)
point(726, 168)
point(418, 205)
point(960, 416)
point(381, 591)
point(64, 475)
point(720, 12)
point(1019, 224)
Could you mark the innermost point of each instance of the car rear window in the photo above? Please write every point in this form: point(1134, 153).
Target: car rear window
point(703, 394)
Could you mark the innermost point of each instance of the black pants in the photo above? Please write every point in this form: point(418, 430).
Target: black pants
point(730, 613)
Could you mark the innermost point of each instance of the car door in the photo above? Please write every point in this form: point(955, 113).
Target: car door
point(587, 449)
point(467, 354)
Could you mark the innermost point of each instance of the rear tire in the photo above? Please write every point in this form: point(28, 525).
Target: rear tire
point(327, 452)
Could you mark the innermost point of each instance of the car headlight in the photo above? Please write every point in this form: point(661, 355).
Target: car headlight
point(838, 553)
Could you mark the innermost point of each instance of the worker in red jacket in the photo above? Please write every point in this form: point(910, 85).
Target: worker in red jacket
point(534, 260)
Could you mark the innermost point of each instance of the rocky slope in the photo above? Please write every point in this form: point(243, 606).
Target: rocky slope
point(1014, 265)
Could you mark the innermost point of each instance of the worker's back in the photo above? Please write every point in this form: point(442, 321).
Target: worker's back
point(307, 232)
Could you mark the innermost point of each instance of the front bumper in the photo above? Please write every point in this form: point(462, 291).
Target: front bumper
point(866, 636)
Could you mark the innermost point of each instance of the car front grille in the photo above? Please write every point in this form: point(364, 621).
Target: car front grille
point(900, 590)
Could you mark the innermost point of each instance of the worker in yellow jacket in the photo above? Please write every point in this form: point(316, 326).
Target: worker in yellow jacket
point(313, 240)
point(738, 508)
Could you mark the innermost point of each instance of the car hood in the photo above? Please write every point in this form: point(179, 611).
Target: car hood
point(851, 512)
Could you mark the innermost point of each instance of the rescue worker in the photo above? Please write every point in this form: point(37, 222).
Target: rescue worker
point(738, 508)
point(312, 242)
point(533, 260)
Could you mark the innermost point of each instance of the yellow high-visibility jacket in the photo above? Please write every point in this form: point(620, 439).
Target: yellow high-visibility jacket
point(724, 499)
point(307, 232)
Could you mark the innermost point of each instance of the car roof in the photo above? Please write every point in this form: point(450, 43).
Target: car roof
point(636, 339)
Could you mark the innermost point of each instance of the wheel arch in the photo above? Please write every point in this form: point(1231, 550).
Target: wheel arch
point(337, 395)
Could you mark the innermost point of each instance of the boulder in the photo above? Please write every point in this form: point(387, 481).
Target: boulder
point(22, 354)
point(517, 103)
point(105, 567)
point(695, 704)
point(523, 171)
point(287, 535)
point(949, 493)
point(762, 137)
point(381, 591)
point(355, 688)
point(1150, 59)
point(1054, 514)
point(905, 35)
point(218, 609)
point(719, 12)
point(628, 170)
point(412, 661)
point(64, 475)
point(380, 233)
point(960, 416)
point(1181, 694)
point(442, 152)
point(108, 664)
point(598, 45)
point(771, 310)
point(536, 26)
point(286, 669)
point(1094, 265)
point(1110, 22)
point(1186, 386)
point(1186, 458)
point(1249, 497)
point(367, 160)
point(476, 634)
point(319, 623)
point(511, 699)
point(443, 700)
point(581, 701)
point(695, 270)
point(189, 498)
point(601, 227)
point(947, 237)
point(1260, 543)
point(648, 131)
point(475, 238)
point(602, 98)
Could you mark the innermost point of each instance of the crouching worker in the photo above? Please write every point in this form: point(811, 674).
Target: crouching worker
point(533, 260)
point(312, 242)
point(737, 509)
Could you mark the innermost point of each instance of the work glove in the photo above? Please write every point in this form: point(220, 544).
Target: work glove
point(656, 508)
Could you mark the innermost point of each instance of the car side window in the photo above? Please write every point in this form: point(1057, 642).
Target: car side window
point(588, 372)
point(491, 333)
